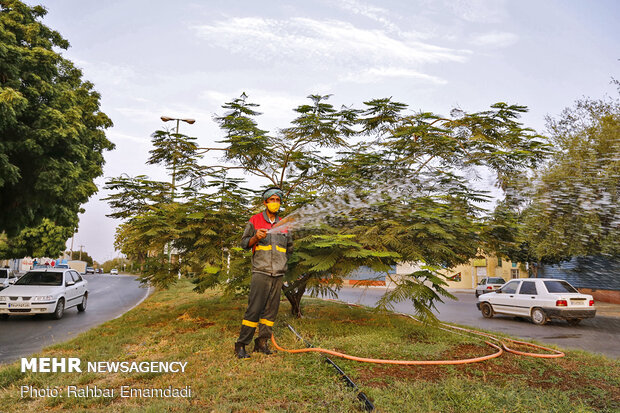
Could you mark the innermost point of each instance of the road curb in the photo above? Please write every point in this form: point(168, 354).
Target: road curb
point(149, 291)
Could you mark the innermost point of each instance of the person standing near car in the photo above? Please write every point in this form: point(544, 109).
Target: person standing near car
point(270, 253)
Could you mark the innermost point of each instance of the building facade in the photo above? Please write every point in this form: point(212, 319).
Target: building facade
point(465, 276)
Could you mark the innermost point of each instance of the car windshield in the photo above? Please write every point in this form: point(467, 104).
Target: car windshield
point(4, 273)
point(559, 287)
point(41, 278)
point(496, 281)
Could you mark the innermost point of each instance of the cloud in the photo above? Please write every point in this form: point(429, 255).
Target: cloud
point(276, 107)
point(323, 44)
point(268, 99)
point(113, 135)
point(376, 74)
point(495, 39)
point(106, 73)
point(478, 11)
point(377, 14)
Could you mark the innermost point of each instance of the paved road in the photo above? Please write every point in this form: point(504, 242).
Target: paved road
point(109, 297)
point(599, 334)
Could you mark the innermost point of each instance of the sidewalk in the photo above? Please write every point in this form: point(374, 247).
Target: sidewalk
point(607, 309)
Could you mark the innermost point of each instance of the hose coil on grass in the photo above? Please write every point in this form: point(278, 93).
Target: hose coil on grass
point(446, 327)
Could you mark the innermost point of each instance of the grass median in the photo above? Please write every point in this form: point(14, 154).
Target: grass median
point(200, 329)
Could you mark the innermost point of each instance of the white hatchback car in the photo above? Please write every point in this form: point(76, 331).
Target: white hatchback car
point(41, 291)
point(539, 299)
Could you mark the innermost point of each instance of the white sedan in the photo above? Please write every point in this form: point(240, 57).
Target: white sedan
point(539, 299)
point(41, 291)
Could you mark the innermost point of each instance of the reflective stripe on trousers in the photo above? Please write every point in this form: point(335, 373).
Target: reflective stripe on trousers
point(263, 304)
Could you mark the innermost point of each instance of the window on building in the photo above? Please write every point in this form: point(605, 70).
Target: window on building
point(499, 262)
point(514, 273)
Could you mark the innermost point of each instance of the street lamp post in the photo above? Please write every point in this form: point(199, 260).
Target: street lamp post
point(174, 167)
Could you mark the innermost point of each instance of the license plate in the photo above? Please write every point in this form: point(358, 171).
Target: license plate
point(22, 305)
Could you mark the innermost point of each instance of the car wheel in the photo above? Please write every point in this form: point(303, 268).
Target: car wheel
point(60, 309)
point(539, 317)
point(487, 310)
point(82, 306)
point(573, 321)
point(477, 294)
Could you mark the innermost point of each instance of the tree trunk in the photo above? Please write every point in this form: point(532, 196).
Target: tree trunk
point(294, 294)
point(294, 297)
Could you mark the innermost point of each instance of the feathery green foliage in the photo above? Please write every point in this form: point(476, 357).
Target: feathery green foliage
point(395, 188)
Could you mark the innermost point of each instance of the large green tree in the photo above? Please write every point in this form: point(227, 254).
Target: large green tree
point(51, 128)
point(372, 186)
point(403, 192)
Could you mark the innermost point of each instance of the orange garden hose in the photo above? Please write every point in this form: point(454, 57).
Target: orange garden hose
point(499, 352)
point(554, 353)
point(399, 362)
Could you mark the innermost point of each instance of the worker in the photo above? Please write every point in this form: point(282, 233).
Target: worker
point(270, 254)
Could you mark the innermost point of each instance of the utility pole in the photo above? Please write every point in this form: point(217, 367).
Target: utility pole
point(72, 238)
point(81, 246)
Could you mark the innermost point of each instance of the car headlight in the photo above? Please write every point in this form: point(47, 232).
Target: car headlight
point(42, 298)
point(3, 298)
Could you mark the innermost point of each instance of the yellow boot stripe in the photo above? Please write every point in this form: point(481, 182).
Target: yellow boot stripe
point(249, 323)
point(280, 249)
point(266, 322)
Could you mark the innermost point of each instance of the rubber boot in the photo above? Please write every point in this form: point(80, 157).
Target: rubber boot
point(260, 345)
point(240, 351)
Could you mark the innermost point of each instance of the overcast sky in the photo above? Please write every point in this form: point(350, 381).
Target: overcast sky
point(149, 58)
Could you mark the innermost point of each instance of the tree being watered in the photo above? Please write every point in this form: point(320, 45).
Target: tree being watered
point(402, 193)
point(366, 187)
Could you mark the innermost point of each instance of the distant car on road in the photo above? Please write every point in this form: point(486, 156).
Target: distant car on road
point(7, 278)
point(90, 270)
point(99, 271)
point(41, 291)
point(488, 285)
point(539, 299)
point(113, 271)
